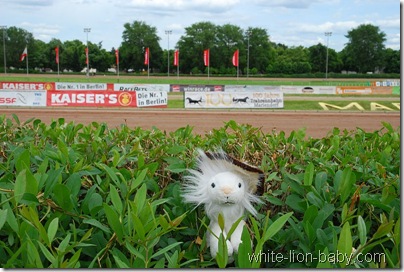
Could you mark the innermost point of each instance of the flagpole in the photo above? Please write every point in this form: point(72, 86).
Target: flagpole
point(58, 60)
point(27, 59)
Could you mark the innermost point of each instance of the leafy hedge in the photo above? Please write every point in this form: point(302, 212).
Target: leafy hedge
point(91, 196)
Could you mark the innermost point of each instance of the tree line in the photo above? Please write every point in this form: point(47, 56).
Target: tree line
point(364, 52)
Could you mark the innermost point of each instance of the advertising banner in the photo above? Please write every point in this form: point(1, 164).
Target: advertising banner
point(268, 100)
point(23, 98)
point(251, 88)
point(307, 89)
point(358, 90)
point(91, 99)
point(196, 88)
point(21, 86)
point(142, 87)
point(151, 99)
point(81, 86)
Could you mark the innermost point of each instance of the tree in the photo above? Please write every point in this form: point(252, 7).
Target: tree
point(16, 40)
point(318, 59)
point(392, 61)
point(260, 51)
point(72, 57)
point(136, 38)
point(198, 37)
point(364, 50)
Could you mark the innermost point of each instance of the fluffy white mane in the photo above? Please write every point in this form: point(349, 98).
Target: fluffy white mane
point(198, 182)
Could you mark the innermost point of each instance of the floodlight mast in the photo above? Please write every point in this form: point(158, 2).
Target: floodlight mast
point(87, 30)
point(327, 34)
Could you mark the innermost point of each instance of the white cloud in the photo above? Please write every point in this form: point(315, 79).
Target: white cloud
point(292, 4)
point(176, 5)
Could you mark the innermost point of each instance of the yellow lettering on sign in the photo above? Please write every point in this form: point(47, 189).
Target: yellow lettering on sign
point(216, 99)
point(376, 106)
point(397, 105)
point(327, 106)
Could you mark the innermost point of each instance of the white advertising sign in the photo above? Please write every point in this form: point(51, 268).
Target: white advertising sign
point(142, 87)
point(246, 100)
point(151, 98)
point(308, 89)
point(251, 88)
point(23, 98)
point(79, 86)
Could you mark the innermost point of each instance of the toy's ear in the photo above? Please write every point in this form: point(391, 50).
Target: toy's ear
point(253, 176)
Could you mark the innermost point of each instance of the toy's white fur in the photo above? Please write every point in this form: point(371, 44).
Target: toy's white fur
point(222, 189)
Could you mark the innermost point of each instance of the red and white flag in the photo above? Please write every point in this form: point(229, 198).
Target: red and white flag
point(24, 54)
point(235, 58)
point(117, 56)
point(86, 55)
point(176, 57)
point(146, 55)
point(57, 54)
point(206, 57)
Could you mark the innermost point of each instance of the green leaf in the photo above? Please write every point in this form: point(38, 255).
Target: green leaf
point(383, 230)
point(62, 197)
point(115, 198)
point(276, 226)
point(52, 229)
point(220, 221)
point(3, 218)
point(174, 150)
point(221, 256)
point(140, 198)
point(362, 230)
point(25, 183)
point(165, 249)
point(309, 174)
point(97, 224)
point(47, 254)
point(114, 222)
point(344, 245)
point(244, 250)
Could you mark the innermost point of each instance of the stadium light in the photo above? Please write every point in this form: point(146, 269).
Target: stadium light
point(327, 34)
point(4, 28)
point(87, 30)
point(168, 32)
point(248, 50)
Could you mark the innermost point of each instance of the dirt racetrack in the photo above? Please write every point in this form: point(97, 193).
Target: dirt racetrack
point(317, 124)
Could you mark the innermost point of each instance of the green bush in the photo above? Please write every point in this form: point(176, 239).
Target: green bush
point(75, 196)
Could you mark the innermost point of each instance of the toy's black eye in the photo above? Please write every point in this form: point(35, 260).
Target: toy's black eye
point(213, 185)
point(239, 185)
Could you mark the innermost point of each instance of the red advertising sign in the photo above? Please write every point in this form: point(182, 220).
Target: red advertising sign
point(91, 99)
point(27, 86)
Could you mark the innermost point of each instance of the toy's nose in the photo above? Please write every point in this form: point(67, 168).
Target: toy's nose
point(227, 190)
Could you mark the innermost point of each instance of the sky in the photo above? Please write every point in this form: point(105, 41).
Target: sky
point(289, 22)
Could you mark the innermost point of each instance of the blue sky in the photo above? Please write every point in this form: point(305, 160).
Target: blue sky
point(288, 22)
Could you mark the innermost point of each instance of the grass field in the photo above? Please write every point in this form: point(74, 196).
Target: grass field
point(185, 80)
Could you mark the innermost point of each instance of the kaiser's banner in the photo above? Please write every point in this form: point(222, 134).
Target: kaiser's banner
point(91, 99)
point(26, 86)
point(269, 100)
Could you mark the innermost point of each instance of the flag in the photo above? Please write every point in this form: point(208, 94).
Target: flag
point(176, 57)
point(86, 55)
point(24, 54)
point(57, 54)
point(206, 57)
point(117, 56)
point(146, 55)
point(235, 58)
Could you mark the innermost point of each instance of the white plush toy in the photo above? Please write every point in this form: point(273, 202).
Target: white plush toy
point(224, 186)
